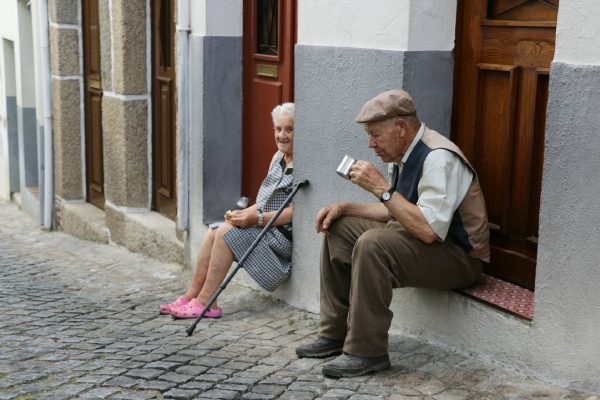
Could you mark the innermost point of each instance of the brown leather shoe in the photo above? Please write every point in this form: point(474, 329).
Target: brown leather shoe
point(322, 347)
point(348, 365)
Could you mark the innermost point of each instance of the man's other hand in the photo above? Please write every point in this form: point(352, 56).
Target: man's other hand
point(327, 215)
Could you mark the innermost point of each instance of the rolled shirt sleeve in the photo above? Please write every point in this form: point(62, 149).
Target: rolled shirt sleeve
point(442, 188)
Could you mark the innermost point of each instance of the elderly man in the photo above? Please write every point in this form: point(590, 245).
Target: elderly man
point(428, 229)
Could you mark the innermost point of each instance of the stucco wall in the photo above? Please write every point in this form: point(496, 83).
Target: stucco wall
point(222, 124)
point(332, 83)
point(578, 32)
point(215, 114)
point(383, 24)
point(9, 21)
point(567, 296)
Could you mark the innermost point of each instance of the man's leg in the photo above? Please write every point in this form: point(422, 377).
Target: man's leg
point(384, 259)
point(336, 273)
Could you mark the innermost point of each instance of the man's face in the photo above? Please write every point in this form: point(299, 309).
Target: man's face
point(389, 139)
point(284, 133)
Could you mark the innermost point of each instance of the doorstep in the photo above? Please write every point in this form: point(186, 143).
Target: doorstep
point(82, 220)
point(145, 232)
point(504, 295)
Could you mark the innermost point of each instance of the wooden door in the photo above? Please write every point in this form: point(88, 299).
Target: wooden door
point(164, 199)
point(269, 38)
point(93, 104)
point(504, 51)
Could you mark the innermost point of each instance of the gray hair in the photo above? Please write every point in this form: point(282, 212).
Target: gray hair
point(287, 108)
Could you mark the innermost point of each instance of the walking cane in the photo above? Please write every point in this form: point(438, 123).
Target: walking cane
point(190, 329)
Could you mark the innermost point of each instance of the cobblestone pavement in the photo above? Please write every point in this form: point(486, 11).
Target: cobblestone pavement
point(79, 320)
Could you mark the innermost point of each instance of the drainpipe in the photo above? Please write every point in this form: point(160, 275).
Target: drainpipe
point(48, 205)
point(183, 88)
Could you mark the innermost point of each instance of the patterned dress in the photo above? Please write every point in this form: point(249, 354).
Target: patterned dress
point(270, 262)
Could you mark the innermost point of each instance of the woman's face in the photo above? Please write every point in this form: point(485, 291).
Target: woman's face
point(284, 133)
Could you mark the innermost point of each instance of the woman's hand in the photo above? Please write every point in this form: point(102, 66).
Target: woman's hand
point(242, 218)
point(327, 215)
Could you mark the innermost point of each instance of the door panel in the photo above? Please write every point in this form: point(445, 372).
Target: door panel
point(93, 104)
point(269, 38)
point(164, 199)
point(504, 51)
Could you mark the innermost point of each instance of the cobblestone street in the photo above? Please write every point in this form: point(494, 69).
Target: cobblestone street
point(80, 320)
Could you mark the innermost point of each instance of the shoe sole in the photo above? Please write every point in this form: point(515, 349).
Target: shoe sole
point(319, 354)
point(205, 316)
point(348, 373)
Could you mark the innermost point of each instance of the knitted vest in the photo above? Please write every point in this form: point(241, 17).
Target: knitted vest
point(469, 225)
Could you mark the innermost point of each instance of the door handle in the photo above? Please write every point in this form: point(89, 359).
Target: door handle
point(95, 84)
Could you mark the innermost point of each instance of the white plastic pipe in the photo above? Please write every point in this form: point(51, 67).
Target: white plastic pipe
point(183, 89)
point(48, 206)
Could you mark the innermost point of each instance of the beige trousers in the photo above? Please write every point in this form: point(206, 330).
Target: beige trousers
point(362, 261)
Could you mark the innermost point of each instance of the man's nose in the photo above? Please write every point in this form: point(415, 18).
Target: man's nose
point(371, 143)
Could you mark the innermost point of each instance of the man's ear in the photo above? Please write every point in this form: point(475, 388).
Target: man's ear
point(400, 124)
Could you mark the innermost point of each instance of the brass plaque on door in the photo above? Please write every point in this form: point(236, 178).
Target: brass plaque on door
point(271, 71)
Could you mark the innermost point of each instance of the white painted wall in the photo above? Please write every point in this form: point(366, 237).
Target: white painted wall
point(216, 17)
point(577, 32)
point(8, 20)
point(24, 57)
point(380, 24)
point(432, 25)
point(4, 177)
point(415, 25)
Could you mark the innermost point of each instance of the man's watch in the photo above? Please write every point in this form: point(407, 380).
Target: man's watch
point(387, 195)
point(261, 218)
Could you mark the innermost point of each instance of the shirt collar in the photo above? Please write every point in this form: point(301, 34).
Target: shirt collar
point(417, 137)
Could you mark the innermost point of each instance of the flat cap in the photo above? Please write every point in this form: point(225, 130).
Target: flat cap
point(393, 103)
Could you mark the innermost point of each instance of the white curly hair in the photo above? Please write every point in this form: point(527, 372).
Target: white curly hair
point(287, 108)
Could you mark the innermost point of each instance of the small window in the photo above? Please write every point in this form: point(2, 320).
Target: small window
point(267, 26)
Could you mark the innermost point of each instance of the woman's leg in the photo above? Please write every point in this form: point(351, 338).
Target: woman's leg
point(201, 267)
point(221, 259)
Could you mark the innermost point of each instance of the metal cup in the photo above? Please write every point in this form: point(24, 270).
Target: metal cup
point(344, 169)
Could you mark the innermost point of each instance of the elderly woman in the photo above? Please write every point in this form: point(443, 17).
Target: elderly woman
point(270, 262)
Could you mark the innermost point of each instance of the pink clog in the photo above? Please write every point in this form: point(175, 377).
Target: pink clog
point(193, 309)
point(166, 308)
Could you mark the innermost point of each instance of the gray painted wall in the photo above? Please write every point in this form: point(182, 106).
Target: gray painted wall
point(567, 295)
point(13, 143)
point(221, 124)
point(428, 77)
point(30, 149)
point(332, 84)
point(196, 157)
